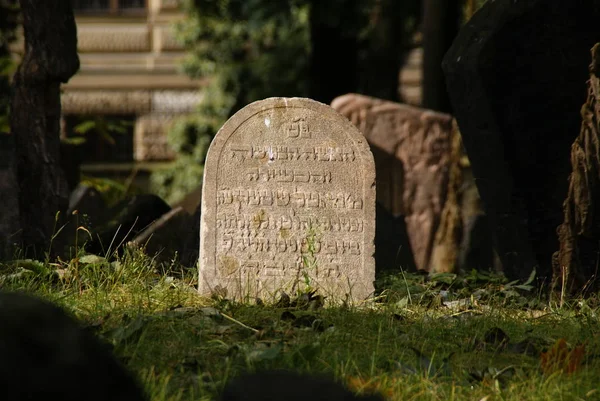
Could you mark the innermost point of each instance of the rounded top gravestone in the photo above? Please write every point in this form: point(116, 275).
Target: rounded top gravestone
point(288, 204)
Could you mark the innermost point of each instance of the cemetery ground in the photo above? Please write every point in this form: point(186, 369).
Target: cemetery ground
point(473, 337)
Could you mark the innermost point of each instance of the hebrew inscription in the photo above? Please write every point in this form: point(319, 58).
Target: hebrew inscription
point(288, 203)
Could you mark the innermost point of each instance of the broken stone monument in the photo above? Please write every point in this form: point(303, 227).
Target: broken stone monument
point(516, 77)
point(9, 198)
point(423, 176)
point(288, 204)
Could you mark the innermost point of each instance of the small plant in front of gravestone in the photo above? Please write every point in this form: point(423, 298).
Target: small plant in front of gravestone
point(309, 259)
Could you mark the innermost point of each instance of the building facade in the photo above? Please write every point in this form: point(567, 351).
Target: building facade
point(129, 83)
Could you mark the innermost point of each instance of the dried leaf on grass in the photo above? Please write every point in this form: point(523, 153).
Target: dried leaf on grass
point(360, 385)
point(560, 358)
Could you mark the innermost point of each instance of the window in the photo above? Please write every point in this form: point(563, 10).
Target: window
point(108, 6)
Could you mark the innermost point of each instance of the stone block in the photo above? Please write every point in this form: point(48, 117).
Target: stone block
point(412, 157)
point(150, 138)
point(103, 102)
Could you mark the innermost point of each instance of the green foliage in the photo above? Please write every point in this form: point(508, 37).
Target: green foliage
point(247, 50)
point(112, 191)
point(9, 12)
point(246, 53)
point(103, 126)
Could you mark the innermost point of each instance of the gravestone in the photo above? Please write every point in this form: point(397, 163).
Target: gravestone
point(411, 147)
point(424, 178)
point(288, 203)
point(516, 77)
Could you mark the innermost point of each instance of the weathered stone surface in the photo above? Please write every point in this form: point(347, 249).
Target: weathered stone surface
point(107, 102)
point(288, 198)
point(114, 38)
point(411, 147)
point(150, 138)
point(516, 77)
point(424, 176)
point(9, 197)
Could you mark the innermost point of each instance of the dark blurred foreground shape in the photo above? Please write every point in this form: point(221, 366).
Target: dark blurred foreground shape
point(516, 78)
point(46, 355)
point(288, 386)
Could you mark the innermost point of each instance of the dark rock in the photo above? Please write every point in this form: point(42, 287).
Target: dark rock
point(175, 236)
point(88, 203)
point(45, 354)
point(166, 236)
point(392, 247)
point(9, 198)
point(288, 386)
point(126, 219)
point(516, 77)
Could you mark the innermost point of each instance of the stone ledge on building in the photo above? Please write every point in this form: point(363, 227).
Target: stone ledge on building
point(127, 102)
point(132, 81)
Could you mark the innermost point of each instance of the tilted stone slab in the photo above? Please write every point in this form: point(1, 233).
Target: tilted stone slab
point(288, 203)
point(516, 77)
point(424, 176)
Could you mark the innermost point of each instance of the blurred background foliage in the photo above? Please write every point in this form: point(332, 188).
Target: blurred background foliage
point(9, 20)
point(249, 50)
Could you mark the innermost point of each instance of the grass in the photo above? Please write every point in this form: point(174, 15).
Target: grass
point(474, 337)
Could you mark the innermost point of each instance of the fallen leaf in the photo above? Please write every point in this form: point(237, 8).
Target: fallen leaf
point(560, 358)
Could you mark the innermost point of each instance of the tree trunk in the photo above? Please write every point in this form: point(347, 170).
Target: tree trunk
point(385, 49)
point(50, 58)
point(441, 22)
point(334, 57)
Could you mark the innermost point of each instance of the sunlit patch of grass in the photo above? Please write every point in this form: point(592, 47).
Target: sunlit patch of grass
point(445, 338)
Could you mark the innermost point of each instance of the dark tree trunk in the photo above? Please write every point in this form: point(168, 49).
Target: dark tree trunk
point(441, 22)
point(386, 47)
point(50, 58)
point(334, 57)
